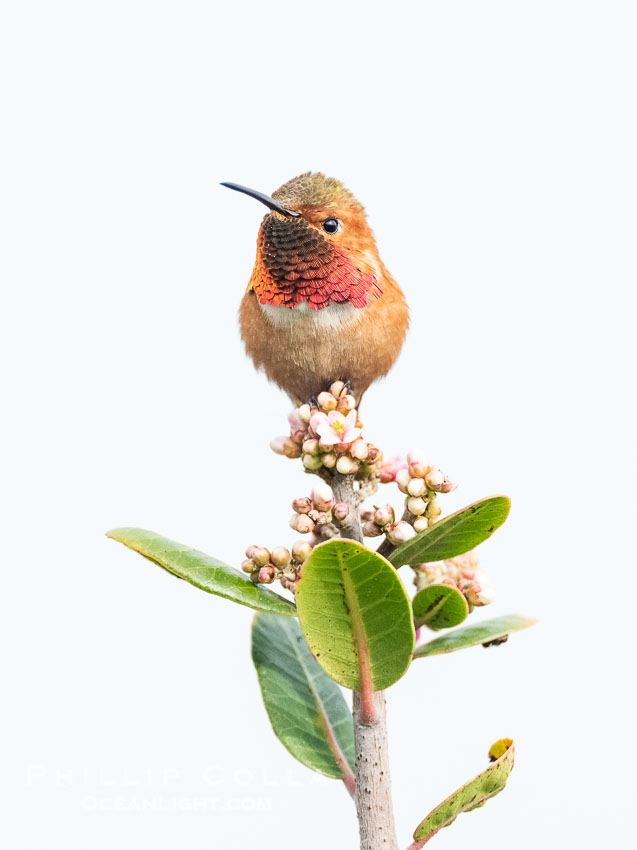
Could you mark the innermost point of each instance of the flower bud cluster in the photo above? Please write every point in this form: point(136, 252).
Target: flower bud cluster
point(316, 510)
point(421, 482)
point(265, 566)
point(381, 520)
point(462, 573)
point(328, 435)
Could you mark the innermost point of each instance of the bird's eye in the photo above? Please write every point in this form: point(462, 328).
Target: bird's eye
point(331, 225)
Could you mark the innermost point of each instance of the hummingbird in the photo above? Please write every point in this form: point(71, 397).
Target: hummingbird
point(320, 305)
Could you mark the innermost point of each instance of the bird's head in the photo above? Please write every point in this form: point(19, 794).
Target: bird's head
point(314, 246)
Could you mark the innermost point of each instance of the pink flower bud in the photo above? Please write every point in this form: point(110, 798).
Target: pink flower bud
point(346, 465)
point(416, 505)
point(420, 523)
point(383, 515)
point(326, 401)
point(416, 487)
point(312, 461)
point(402, 480)
point(337, 388)
point(251, 550)
point(370, 529)
point(302, 505)
point(260, 556)
point(266, 575)
point(303, 524)
point(359, 450)
point(329, 460)
point(281, 556)
point(374, 454)
point(346, 403)
point(247, 566)
point(298, 437)
point(311, 446)
point(322, 496)
point(340, 511)
point(447, 487)
point(399, 532)
point(301, 551)
point(304, 413)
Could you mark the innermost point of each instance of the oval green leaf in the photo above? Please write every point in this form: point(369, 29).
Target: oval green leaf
point(306, 708)
point(455, 534)
point(484, 632)
point(439, 606)
point(471, 795)
point(355, 615)
point(202, 570)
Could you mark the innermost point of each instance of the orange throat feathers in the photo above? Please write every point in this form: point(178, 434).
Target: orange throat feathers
point(296, 263)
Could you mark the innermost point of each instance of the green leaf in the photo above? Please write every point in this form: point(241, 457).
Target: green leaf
point(202, 570)
point(439, 606)
point(484, 632)
point(355, 615)
point(306, 708)
point(472, 795)
point(455, 534)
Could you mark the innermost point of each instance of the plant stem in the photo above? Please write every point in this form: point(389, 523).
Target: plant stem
point(374, 807)
point(372, 792)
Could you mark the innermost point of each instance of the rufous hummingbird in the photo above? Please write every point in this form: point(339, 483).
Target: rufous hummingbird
point(320, 305)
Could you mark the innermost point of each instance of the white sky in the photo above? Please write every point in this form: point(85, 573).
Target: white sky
point(493, 145)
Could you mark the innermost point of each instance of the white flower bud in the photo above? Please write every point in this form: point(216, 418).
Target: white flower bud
point(383, 515)
point(416, 487)
point(311, 447)
point(326, 401)
point(319, 517)
point(416, 505)
point(479, 594)
point(312, 461)
point(418, 464)
point(280, 556)
point(420, 524)
point(346, 465)
point(304, 413)
point(346, 403)
point(303, 524)
point(402, 480)
point(337, 388)
point(277, 444)
point(329, 460)
point(359, 450)
point(370, 529)
point(435, 478)
point(301, 551)
point(399, 532)
point(322, 496)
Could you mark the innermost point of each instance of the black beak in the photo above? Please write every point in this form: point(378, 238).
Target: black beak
point(265, 199)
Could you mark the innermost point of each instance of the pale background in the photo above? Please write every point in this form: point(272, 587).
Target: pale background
point(493, 145)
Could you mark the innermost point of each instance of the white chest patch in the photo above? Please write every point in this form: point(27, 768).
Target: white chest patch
point(332, 317)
